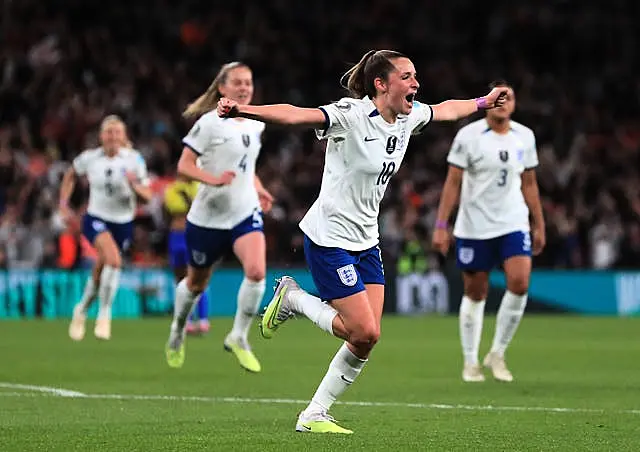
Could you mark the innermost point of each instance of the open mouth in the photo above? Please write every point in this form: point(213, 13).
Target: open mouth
point(410, 97)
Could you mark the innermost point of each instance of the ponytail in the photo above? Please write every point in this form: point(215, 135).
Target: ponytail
point(360, 79)
point(354, 77)
point(209, 99)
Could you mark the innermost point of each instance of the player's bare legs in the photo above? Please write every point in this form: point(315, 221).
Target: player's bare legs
point(109, 280)
point(355, 319)
point(518, 271)
point(361, 321)
point(251, 252)
point(476, 288)
point(103, 282)
point(89, 295)
point(359, 315)
point(179, 273)
point(188, 291)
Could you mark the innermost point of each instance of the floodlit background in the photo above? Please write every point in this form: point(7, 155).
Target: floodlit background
point(64, 65)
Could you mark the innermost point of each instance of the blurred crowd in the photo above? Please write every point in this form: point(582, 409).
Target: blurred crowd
point(65, 64)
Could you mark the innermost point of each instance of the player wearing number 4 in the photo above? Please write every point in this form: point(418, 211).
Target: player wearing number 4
point(226, 212)
point(117, 175)
point(492, 171)
point(367, 138)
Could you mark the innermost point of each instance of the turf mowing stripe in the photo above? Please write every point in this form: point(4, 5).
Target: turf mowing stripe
point(44, 391)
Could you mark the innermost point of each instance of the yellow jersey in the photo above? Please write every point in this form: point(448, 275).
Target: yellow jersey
point(179, 195)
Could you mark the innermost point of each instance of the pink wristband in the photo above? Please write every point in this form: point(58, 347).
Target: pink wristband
point(441, 224)
point(481, 103)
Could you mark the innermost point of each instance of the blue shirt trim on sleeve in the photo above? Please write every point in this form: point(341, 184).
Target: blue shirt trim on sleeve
point(191, 147)
point(327, 121)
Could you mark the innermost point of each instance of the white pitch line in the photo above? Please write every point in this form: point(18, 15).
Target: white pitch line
point(59, 392)
point(44, 389)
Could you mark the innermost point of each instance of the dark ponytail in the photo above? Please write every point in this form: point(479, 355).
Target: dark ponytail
point(359, 80)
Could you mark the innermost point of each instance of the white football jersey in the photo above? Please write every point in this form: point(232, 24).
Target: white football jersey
point(225, 144)
point(363, 152)
point(491, 199)
point(111, 197)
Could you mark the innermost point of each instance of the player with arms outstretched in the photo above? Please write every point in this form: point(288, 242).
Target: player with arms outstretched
point(117, 176)
point(492, 172)
point(367, 135)
point(226, 213)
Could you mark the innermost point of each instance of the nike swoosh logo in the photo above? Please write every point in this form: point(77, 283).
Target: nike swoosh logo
point(271, 321)
point(346, 380)
point(367, 139)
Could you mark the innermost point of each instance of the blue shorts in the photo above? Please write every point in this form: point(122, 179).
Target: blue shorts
point(206, 246)
point(178, 254)
point(121, 232)
point(339, 273)
point(484, 255)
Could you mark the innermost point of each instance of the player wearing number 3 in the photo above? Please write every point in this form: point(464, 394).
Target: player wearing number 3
point(367, 136)
point(492, 170)
point(226, 212)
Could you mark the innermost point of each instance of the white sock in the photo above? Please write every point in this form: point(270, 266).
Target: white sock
point(314, 309)
point(184, 303)
point(509, 316)
point(88, 295)
point(249, 298)
point(109, 281)
point(343, 370)
point(470, 319)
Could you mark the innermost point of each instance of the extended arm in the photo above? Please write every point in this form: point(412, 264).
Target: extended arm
point(285, 114)
point(452, 110)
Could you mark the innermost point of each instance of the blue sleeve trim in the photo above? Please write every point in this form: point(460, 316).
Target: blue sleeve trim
point(421, 129)
point(327, 121)
point(456, 166)
point(195, 151)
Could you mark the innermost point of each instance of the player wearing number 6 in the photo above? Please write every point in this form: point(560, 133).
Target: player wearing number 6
point(117, 175)
point(226, 213)
point(367, 136)
point(492, 171)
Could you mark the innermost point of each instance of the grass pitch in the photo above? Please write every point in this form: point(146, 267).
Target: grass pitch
point(577, 388)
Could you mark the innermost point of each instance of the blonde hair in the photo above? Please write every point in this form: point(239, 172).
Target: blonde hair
point(209, 99)
point(360, 79)
point(115, 119)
